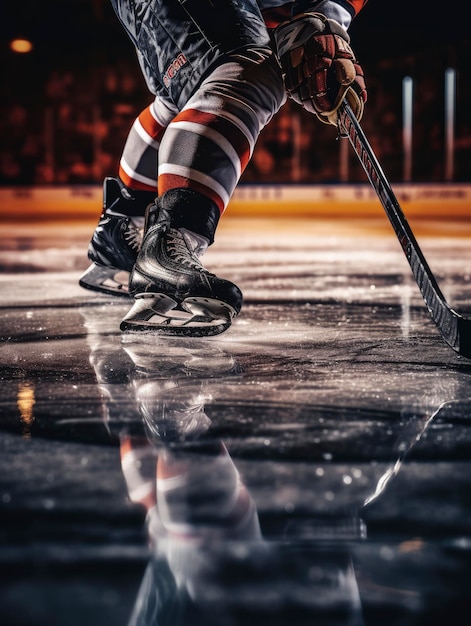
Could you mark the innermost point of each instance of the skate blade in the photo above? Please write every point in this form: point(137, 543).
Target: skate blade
point(109, 280)
point(194, 317)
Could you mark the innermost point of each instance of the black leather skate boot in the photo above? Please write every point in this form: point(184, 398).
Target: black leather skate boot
point(174, 294)
point(115, 243)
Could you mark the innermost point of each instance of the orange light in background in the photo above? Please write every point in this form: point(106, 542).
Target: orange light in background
point(21, 46)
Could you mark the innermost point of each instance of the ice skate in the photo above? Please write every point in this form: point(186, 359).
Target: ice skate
point(115, 243)
point(174, 294)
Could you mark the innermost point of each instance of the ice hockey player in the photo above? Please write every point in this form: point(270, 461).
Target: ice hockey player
point(219, 71)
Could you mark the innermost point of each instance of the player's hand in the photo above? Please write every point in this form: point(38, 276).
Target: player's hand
point(319, 66)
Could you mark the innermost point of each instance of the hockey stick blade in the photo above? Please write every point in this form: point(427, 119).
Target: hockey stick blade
point(453, 327)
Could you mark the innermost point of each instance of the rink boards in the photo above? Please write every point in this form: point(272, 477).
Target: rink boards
point(444, 201)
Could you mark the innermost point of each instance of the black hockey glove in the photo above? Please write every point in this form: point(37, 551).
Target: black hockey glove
point(319, 66)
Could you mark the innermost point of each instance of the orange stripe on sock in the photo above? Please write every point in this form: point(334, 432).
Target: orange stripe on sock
point(173, 181)
point(125, 445)
point(135, 184)
point(150, 124)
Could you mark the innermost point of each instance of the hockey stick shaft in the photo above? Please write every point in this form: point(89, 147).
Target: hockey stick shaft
point(455, 329)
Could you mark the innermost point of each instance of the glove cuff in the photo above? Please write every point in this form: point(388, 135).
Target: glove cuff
point(354, 101)
point(329, 25)
point(332, 9)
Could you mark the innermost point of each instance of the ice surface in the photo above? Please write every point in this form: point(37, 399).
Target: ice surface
point(321, 448)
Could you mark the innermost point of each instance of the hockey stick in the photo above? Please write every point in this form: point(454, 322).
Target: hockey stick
point(453, 327)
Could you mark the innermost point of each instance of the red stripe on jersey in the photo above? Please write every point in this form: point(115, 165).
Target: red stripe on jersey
point(173, 181)
point(225, 128)
point(150, 124)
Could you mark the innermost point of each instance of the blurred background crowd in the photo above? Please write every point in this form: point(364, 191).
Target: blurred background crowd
point(67, 105)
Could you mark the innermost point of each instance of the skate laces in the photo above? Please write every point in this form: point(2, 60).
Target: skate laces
point(132, 236)
point(179, 251)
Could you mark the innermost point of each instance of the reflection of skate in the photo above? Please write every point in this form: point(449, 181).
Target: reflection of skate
point(181, 357)
point(172, 412)
point(148, 388)
point(170, 388)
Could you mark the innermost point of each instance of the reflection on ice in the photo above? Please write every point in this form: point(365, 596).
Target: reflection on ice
point(219, 553)
point(209, 561)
